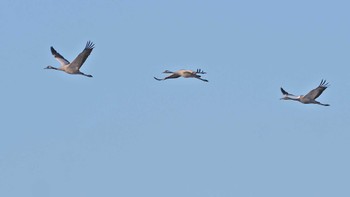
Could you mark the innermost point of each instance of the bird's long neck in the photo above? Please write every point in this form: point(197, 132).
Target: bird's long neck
point(51, 67)
point(294, 98)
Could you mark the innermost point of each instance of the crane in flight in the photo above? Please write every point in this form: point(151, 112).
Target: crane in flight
point(183, 73)
point(72, 68)
point(309, 98)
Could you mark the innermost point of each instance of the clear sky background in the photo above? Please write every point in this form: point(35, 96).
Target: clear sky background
point(122, 133)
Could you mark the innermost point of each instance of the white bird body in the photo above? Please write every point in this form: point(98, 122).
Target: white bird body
point(309, 98)
point(74, 67)
point(183, 73)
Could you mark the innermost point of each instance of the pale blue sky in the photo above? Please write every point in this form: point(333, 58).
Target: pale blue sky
point(122, 133)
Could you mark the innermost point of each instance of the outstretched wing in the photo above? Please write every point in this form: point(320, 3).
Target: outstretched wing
point(59, 57)
point(172, 76)
point(158, 79)
point(80, 59)
point(313, 94)
point(285, 92)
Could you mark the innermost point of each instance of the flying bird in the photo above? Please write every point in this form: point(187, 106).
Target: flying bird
point(183, 73)
point(310, 97)
point(73, 68)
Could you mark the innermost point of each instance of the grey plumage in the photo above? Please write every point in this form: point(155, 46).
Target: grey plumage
point(73, 68)
point(183, 73)
point(309, 98)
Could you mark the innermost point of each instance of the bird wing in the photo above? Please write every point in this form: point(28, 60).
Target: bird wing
point(59, 57)
point(285, 92)
point(158, 79)
point(313, 94)
point(200, 71)
point(172, 76)
point(80, 59)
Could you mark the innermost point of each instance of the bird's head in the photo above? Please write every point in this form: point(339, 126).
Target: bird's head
point(50, 67)
point(285, 97)
point(167, 71)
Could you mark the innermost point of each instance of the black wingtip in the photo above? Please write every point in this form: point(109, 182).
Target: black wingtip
point(283, 91)
point(157, 79)
point(200, 71)
point(324, 83)
point(89, 45)
point(53, 51)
